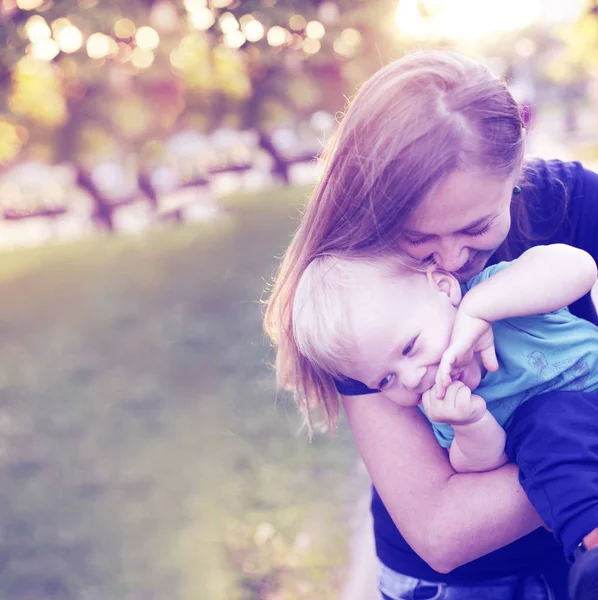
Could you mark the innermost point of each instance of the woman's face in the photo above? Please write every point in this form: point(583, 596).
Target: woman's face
point(461, 222)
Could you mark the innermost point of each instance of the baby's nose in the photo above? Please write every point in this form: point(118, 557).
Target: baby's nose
point(411, 377)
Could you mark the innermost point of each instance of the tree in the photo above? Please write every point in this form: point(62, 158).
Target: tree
point(82, 80)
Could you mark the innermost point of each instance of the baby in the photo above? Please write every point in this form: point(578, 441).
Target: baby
point(379, 325)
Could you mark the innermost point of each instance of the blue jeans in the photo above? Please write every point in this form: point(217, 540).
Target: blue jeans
point(395, 586)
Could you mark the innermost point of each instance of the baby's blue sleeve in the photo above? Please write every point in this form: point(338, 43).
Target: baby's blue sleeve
point(485, 274)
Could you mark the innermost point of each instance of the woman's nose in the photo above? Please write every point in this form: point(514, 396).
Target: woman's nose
point(451, 256)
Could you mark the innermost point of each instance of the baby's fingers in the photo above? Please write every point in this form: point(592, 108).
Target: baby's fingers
point(443, 375)
point(432, 405)
point(489, 360)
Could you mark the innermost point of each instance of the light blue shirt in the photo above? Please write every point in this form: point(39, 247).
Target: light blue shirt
point(536, 354)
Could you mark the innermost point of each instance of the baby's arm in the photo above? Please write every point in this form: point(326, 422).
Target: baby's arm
point(542, 279)
point(478, 446)
point(479, 442)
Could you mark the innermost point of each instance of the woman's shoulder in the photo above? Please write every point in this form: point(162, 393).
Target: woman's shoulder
point(552, 176)
point(555, 189)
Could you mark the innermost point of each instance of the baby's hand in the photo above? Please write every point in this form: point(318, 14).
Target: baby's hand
point(459, 407)
point(469, 335)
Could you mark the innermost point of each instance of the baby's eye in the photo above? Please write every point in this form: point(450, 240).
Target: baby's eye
point(385, 382)
point(409, 347)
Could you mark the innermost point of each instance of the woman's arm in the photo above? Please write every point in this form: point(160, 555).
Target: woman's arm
point(449, 519)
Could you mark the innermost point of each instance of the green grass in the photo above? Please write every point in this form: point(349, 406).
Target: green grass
point(144, 453)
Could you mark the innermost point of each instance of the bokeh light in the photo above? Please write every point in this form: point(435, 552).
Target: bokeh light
point(315, 30)
point(69, 39)
point(253, 30)
point(347, 42)
point(297, 23)
point(100, 45)
point(29, 4)
point(124, 28)
point(311, 46)
point(59, 24)
point(278, 36)
point(37, 29)
point(202, 18)
point(228, 23)
point(147, 38)
point(45, 50)
point(142, 58)
point(234, 39)
point(193, 5)
point(351, 36)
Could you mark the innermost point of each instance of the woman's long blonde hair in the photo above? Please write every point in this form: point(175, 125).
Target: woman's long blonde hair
point(414, 122)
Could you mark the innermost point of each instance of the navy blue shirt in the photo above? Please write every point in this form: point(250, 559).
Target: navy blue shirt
point(562, 207)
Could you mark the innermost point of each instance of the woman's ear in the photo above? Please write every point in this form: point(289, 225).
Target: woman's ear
point(446, 283)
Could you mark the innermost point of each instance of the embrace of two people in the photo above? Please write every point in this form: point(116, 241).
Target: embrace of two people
point(438, 288)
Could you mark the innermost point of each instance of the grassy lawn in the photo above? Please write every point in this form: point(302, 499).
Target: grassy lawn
point(144, 454)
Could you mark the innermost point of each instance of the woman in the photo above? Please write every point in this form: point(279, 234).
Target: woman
point(429, 159)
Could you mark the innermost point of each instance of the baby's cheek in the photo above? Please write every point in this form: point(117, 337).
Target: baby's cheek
point(476, 375)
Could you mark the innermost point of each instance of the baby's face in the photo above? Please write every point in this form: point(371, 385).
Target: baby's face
point(401, 326)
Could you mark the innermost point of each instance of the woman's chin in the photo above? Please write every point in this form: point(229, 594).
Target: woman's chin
point(473, 266)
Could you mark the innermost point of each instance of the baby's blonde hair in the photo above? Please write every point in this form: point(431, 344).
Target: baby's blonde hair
point(321, 324)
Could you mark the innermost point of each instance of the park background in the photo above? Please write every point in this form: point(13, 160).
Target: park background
point(154, 158)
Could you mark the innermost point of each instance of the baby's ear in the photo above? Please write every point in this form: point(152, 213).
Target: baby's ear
point(445, 283)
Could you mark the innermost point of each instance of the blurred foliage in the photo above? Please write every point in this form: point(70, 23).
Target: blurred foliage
point(83, 81)
point(579, 56)
point(196, 67)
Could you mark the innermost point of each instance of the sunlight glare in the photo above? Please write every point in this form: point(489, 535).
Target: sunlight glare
point(464, 19)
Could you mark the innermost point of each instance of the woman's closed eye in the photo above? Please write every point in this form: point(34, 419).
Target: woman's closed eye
point(418, 241)
point(479, 231)
point(474, 232)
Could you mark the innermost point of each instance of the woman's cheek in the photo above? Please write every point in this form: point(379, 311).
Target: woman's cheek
point(501, 230)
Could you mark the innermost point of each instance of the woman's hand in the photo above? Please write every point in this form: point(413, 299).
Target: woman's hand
point(469, 335)
point(459, 407)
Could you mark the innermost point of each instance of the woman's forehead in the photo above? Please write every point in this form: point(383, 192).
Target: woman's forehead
point(459, 201)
